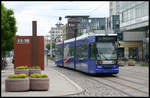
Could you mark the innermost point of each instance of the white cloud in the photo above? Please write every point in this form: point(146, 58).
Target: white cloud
point(46, 13)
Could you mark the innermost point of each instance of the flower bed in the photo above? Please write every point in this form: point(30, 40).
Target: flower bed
point(22, 69)
point(35, 69)
point(18, 82)
point(131, 62)
point(39, 82)
point(121, 63)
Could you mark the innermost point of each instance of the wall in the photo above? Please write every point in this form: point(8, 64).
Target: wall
point(23, 52)
point(133, 36)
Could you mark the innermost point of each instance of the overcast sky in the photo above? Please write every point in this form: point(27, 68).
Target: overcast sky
point(47, 13)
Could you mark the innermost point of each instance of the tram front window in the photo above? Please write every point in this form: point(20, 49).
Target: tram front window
point(106, 51)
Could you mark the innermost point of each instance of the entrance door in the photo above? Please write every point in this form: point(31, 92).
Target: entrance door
point(133, 53)
point(120, 53)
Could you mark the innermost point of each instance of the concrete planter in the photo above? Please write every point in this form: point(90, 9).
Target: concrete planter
point(31, 71)
point(41, 84)
point(121, 63)
point(19, 84)
point(18, 71)
point(131, 63)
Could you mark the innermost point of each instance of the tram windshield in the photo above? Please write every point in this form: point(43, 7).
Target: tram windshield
point(106, 51)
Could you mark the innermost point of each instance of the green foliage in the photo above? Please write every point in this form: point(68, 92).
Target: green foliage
point(12, 76)
point(44, 76)
point(37, 75)
point(36, 67)
point(48, 46)
point(145, 64)
point(131, 60)
point(22, 67)
point(51, 58)
point(8, 28)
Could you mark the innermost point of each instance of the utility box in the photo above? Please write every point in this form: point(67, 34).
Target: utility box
point(29, 50)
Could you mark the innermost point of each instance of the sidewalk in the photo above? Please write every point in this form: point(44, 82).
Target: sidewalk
point(60, 85)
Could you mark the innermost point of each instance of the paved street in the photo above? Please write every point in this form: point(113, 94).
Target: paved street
point(131, 81)
point(59, 84)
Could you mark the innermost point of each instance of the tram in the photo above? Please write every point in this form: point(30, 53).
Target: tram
point(90, 53)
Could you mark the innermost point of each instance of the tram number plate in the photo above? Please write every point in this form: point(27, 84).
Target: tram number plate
point(107, 66)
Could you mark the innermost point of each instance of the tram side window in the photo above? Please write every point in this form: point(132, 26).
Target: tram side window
point(57, 53)
point(61, 52)
point(71, 50)
point(77, 52)
point(92, 51)
point(83, 51)
point(66, 51)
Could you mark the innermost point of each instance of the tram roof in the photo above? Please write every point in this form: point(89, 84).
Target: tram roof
point(87, 35)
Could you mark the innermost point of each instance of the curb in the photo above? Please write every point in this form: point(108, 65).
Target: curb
point(73, 83)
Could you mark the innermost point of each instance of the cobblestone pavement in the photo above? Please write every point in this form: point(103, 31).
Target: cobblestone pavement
point(131, 81)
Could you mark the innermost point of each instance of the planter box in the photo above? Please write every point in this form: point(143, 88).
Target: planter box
point(121, 63)
point(17, 84)
point(39, 84)
point(133, 63)
point(31, 71)
point(18, 71)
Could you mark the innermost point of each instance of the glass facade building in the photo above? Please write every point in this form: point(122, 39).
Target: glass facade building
point(134, 25)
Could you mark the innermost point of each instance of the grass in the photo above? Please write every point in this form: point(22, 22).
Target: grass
point(145, 64)
point(51, 58)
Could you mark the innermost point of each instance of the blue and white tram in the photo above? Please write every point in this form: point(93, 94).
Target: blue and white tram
point(93, 53)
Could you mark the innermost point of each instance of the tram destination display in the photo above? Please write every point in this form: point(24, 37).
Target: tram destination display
point(106, 38)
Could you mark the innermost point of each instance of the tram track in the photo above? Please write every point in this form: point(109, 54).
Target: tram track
point(108, 85)
point(136, 76)
point(122, 87)
point(134, 70)
point(130, 80)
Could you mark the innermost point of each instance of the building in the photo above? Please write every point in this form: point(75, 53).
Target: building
point(97, 25)
point(134, 25)
point(53, 33)
point(81, 27)
point(113, 24)
point(64, 31)
point(86, 24)
point(59, 32)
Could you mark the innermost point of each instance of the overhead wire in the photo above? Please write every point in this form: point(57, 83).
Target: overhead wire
point(97, 8)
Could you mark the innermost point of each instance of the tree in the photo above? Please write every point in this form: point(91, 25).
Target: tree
point(8, 29)
point(48, 46)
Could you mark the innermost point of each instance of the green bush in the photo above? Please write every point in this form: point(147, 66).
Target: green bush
point(51, 58)
point(35, 67)
point(145, 64)
point(44, 76)
point(37, 75)
point(12, 76)
point(22, 67)
point(130, 60)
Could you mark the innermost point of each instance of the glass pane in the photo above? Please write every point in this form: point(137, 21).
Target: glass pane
point(92, 51)
point(106, 51)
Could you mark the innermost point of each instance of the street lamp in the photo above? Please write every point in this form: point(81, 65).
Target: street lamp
point(74, 24)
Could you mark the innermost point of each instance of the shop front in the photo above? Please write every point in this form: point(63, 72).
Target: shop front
point(131, 50)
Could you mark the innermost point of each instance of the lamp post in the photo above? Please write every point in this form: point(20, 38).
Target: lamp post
point(74, 24)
